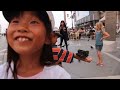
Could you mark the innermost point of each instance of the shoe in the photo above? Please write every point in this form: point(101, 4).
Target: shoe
point(100, 64)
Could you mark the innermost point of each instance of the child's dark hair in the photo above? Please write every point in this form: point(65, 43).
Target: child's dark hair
point(64, 23)
point(46, 56)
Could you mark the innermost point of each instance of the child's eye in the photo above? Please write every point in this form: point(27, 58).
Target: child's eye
point(15, 21)
point(34, 22)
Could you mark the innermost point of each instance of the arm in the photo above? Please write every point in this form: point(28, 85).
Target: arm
point(61, 55)
point(105, 35)
point(64, 29)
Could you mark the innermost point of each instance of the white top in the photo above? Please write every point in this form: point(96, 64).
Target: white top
point(51, 72)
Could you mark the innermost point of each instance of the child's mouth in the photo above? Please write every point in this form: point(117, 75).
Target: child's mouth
point(22, 38)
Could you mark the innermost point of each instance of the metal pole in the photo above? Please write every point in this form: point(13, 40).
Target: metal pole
point(65, 16)
point(117, 25)
point(72, 19)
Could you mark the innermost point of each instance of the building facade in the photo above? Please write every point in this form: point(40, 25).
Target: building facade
point(87, 21)
point(111, 20)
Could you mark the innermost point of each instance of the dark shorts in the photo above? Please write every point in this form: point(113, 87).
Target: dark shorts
point(99, 47)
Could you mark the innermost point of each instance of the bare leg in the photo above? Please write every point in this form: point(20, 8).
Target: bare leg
point(100, 61)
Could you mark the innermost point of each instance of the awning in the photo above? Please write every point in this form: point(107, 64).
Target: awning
point(102, 19)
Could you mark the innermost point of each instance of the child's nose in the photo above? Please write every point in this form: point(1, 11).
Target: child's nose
point(22, 30)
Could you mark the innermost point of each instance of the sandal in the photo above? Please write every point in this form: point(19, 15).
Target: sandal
point(100, 64)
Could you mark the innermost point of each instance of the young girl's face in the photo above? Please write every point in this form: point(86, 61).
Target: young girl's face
point(99, 26)
point(62, 23)
point(26, 34)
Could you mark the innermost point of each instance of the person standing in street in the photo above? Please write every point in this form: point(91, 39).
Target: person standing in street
point(100, 35)
point(63, 32)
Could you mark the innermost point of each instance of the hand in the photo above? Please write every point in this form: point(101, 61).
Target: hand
point(101, 39)
point(64, 30)
point(88, 59)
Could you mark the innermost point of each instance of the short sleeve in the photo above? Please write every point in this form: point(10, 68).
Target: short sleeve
point(65, 75)
point(61, 55)
point(55, 72)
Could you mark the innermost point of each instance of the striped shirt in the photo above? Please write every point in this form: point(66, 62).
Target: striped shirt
point(61, 55)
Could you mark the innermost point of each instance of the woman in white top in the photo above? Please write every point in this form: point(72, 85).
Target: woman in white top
point(29, 47)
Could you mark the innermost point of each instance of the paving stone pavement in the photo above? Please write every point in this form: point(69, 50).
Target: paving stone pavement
point(83, 70)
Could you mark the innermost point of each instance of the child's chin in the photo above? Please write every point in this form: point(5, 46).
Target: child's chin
point(22, 51)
